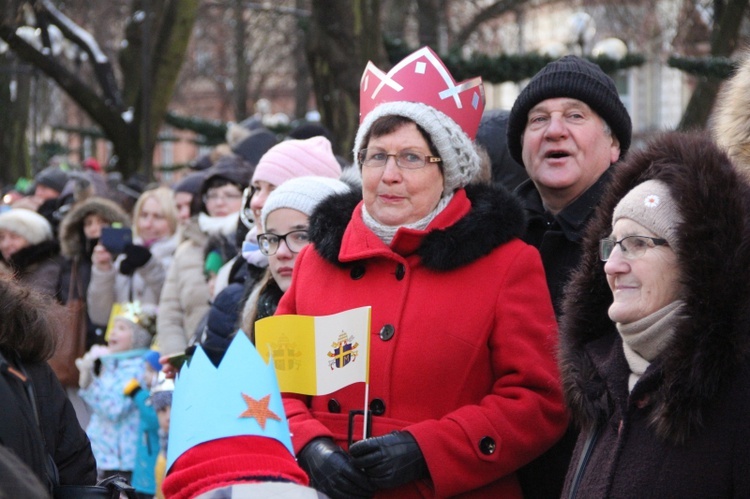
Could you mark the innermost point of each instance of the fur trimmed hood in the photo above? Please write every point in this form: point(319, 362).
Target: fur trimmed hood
point(711, 340)
point(71, 228)
point(730, 121)
point(495, 218)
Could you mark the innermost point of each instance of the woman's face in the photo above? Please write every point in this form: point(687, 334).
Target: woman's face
point(394, 196)
point(183, 201)
point(644, 285)
point(223, 201)
point(261, 190)
point(152, 224)
point(11, 243)
point(282, 222)
point(121, 337)
point(93, 225)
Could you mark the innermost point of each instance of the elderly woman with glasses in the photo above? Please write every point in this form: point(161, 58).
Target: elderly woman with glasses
point(464, 388)
point(655, 350)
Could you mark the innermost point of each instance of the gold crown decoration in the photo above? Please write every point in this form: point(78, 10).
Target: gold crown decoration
point(141, 315)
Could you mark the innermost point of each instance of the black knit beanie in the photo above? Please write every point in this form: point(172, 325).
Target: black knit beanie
point(577, 78)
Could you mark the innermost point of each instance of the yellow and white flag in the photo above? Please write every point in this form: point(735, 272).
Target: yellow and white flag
point(317, 355)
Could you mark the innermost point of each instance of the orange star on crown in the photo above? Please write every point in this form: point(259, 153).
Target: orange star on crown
point(258, 409)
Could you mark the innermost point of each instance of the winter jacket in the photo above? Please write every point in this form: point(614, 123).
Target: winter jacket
point(56, 433)
point(185, 296)
point(77, 250)
point(144, 285)
point(113, 428)
point(38, 266)
point(462, 345)
point(682, 431)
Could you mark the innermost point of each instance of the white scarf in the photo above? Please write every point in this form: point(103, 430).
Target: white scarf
point(225, 226)
point(386, 233)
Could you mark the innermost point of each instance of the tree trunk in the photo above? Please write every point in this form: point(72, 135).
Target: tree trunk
point(14, 101)
point(343, 36)
point(724, 39)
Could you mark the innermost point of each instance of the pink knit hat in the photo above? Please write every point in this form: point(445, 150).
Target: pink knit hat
point(297, 158)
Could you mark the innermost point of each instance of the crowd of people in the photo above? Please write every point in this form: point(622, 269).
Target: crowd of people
point(556, 311)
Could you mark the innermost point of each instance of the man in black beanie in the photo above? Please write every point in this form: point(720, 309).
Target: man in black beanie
point(567, 127)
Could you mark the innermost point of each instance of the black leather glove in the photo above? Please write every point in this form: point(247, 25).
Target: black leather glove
point(135, 257)
point(332, 472)
point(390, 460)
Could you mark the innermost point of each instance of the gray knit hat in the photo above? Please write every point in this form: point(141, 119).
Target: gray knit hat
point(651, 205)
point(52, 177)
point(577, 78)
point(460, 160)
point(302, 194)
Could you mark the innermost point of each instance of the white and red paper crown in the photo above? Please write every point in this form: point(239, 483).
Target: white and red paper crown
point(422, 77)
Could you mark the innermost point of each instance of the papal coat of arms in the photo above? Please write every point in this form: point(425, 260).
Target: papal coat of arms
point(344, 351)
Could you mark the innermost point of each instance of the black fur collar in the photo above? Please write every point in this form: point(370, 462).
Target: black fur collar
point(495, 218)
point(25, 257)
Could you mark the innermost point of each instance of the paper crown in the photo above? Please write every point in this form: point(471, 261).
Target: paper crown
point(423, 77)
point(239, 397)
point(143, 315)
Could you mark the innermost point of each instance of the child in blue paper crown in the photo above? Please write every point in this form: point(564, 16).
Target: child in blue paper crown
point(106, 374)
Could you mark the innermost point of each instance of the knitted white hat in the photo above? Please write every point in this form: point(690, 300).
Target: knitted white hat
point(28, 224)
point(302, 194)
point(651, 205)
point(460, 160)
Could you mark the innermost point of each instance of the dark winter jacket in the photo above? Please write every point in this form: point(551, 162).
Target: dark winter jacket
point(682, 431)
point(38, 266)
point(56, 433)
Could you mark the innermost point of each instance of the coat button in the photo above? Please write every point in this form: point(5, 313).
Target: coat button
point(400, 271)
point(357, 272)
point(387, 332)
point(377, 406)
point(334, 406)
point(487, 445)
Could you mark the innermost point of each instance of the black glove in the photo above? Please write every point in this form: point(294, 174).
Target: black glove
point(331, 470)
point(135, 257)
point(390, 460)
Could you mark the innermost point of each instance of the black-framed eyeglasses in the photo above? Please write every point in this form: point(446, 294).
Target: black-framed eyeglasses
point(295, 240)
point(406, 159)
point(246, 213)
point(632, 247)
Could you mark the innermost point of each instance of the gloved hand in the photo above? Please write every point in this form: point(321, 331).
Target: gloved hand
point(390, 460)
point(131, 388)
point(85, 364)
point(135, 257)
point(331, 470)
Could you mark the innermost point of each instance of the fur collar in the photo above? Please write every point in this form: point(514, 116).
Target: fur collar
point(730, 122)
point(35, 253)
point(711, 341)
point(495, 218)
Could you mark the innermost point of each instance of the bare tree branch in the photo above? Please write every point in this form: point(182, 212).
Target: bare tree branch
point(490, 12)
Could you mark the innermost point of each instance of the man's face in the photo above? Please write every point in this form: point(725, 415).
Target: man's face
point(566, 148)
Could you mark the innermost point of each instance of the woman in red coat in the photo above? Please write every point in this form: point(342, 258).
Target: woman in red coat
point(464, 387)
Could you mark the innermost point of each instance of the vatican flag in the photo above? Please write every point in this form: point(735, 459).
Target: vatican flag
point(317, 355)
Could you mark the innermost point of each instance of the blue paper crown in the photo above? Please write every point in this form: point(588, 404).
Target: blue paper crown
point(239, 397)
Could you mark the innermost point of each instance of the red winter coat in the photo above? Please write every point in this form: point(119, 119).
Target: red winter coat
point(463, 340)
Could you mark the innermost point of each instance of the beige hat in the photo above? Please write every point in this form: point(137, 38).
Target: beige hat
point(651, 205)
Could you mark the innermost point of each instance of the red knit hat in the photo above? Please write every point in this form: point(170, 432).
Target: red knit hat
point(232, 460)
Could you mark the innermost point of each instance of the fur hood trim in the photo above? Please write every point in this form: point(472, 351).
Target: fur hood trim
point(730, 122)
point(32, 254)
point(495, 218)
point(71, 227)
point(711, 340)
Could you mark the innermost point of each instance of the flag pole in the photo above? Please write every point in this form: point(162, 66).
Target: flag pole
point(367, 396)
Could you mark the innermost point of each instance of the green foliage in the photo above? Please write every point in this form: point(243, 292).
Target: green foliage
point(709, 67)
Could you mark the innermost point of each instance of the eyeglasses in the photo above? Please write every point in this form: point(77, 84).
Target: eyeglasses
point(632, 247)
point(295, 241)
point(406, 159)
point(223, 196)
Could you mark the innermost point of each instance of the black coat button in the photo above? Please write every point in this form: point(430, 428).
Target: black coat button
point(400, 271)
point(334, 406)
point(377, 406)
point(387, 332)
point(357, 272)
point(487, 445)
